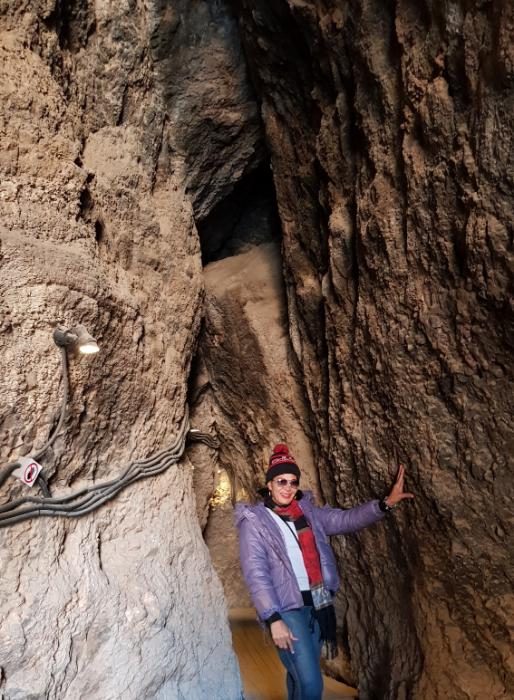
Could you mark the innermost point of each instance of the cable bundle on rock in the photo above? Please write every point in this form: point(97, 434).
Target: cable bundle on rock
point(92, 497)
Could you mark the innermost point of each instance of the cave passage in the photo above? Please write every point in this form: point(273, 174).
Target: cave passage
point(370, 324)
point(247, 217)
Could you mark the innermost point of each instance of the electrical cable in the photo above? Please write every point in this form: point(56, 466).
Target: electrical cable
point(6, 472)
point(92, 497)
point(195, 435)
point(42, 482)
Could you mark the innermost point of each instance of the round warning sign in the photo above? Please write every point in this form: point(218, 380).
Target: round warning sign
point(28, 470)
point(30, 473)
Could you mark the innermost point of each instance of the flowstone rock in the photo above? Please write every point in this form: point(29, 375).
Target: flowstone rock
point(98, 228)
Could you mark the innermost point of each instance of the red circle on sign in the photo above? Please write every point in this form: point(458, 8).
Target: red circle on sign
point(28, 476)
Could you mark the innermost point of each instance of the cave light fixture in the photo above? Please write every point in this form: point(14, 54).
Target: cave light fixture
point(27, 468)
point(87, 499)
point(76, 336)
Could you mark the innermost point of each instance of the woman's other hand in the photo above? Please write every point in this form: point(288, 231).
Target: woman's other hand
point(282, 635)
point(397, 493)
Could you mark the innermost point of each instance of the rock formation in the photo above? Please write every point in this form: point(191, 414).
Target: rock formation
point(390, 131)
point(97, 202)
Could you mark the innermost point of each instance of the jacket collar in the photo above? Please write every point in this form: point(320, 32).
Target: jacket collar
point(248, 510)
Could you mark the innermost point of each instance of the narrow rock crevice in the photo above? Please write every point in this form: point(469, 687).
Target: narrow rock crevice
point(244, 385)
point(244, 218)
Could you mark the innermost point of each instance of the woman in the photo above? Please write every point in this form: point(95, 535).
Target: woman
point(290, 569)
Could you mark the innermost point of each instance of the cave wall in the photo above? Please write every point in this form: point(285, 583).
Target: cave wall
point(390, 130)
point(249, 368)
point(97, 201)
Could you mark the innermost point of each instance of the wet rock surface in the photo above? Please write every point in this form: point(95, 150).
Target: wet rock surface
point(390, 130)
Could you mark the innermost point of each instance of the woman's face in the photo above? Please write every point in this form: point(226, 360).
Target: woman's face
point(283, 494)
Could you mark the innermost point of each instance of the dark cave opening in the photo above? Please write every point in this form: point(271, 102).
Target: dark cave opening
point(247, 217)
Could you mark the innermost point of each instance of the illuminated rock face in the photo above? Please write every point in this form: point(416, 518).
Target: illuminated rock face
point(390, 129)
point(97, 227)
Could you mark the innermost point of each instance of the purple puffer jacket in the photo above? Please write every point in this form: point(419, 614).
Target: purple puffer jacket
point(266, 566)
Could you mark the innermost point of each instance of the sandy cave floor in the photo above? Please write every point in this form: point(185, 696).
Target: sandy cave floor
point(262, 673)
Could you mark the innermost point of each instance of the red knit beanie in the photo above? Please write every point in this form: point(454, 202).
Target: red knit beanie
point(281, 462)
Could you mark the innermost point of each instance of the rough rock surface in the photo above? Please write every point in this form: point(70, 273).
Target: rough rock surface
point(247, 355)
point(97, 222)
point(390, 129)
point(222, 540)
point(210, 104)
point(122, 604)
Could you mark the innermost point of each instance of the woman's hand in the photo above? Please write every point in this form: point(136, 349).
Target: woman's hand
point(397, 493)
point(282, 635)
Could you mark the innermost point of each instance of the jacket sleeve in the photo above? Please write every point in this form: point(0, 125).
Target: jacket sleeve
point(336, 521)
point(255, 566)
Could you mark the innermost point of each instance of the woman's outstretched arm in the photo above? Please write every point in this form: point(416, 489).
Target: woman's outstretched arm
point(336, 521)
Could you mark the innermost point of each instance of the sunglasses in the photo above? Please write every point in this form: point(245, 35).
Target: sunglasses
point(284, 482)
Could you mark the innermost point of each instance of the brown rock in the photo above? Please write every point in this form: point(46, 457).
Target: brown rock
point(390, 130)
point(211, 106)
point(97, 227)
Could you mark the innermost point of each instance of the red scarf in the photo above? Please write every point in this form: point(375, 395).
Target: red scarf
point(306, 540)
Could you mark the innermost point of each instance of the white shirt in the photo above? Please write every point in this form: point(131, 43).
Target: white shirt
point(293, 551)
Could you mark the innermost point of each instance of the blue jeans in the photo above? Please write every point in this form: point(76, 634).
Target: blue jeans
point(304, 680)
